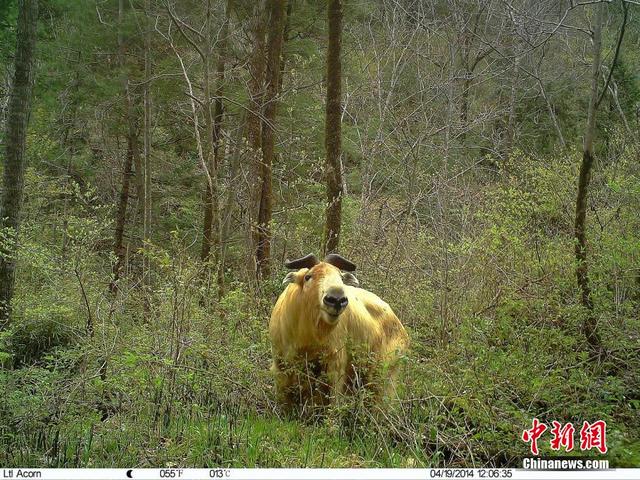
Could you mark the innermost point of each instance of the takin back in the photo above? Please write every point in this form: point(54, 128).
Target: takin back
point(330, 337)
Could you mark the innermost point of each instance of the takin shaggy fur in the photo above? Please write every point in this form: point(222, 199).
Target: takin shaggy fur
point(330, 337)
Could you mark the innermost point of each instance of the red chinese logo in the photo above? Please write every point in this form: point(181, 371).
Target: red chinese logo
point(533, 435)
point(592, 435)
point(562, 436)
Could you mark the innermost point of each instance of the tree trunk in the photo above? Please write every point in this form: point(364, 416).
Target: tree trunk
point(213, 122)
point(254, 127)
point(18, 112)
point(613, 90)
point(464, 108)
point(466, 85)
point(138, 159)
point(552, 113)
point(131, 158)
point(272, 79)
point(227, 209)
point(119, 247)
point(582, 273)
point(146, 229)
point(211, 225)
point(131, 113)
point(333, 129)
point(511, 121)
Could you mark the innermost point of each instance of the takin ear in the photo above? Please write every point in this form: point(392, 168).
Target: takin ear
point(290, 278)
point(350, 279)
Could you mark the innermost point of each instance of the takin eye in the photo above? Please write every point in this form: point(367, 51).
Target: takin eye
point(308, 277)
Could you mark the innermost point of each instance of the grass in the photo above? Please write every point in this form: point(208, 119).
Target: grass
point(458, 406)
point(226, 434)
point(496, 341)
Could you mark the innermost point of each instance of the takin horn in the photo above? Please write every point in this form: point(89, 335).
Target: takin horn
point(340, 262)
point(304, 262)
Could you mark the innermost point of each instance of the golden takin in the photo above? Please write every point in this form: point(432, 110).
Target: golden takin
point(330, 337)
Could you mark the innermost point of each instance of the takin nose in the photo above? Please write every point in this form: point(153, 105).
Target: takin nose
point(336, 300)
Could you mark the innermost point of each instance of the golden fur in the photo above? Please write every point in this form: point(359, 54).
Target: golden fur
point(315, 359)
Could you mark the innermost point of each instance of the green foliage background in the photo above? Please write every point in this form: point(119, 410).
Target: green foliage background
point(471, 246)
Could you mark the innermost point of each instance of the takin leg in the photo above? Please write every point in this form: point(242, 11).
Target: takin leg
point(302, 387)
point(369, 384)
point(364, 376)
point(287, 386)
point(393, 361)
point(320, 374)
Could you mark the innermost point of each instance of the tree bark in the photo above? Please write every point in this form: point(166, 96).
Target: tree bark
point(18, 112)
point(211, 203)
point(511, 120)
point(333, 129)
point(552, 113)
point(138, 159)
point(119, 247)
point(582, 273)
point(466, 82)
point(272, 78)
point(146, 229)
point(132, 157)
point(254, 127)
point(213, 123)
point(228, 206)
point(464, 107)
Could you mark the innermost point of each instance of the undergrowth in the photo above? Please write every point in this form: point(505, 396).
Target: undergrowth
point(490, 303)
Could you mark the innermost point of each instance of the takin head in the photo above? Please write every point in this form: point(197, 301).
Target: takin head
point(322, 284)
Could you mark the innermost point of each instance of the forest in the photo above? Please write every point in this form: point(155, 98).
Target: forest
point(477, 160)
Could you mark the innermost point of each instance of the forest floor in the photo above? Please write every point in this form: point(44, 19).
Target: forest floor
point(459, 405)
point(87, 379)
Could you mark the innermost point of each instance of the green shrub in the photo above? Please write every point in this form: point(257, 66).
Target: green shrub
point(38, 330)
